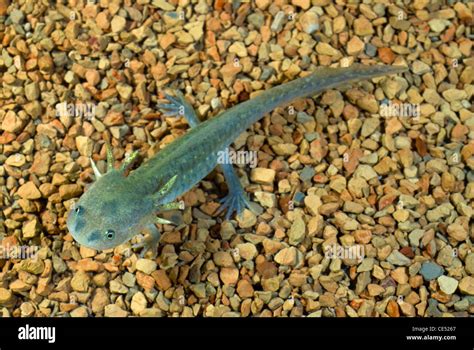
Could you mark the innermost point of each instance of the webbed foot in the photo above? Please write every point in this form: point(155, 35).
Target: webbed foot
point(177, 106)
point(149, 242)
point(236, 200)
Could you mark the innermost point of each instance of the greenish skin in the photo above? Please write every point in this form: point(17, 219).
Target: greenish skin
point(117, 207)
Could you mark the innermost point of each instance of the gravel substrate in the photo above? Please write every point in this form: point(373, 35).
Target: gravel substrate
point(364, 208)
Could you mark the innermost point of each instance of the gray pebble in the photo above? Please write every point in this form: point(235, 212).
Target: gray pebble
point(430, 270)
point(370, 50)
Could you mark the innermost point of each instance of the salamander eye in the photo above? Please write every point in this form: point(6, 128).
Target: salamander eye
point(78, 209)
point(110, 234)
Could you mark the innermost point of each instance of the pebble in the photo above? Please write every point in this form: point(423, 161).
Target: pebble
point(17, 16)
point(363, 27)
point(339, 24)
point(79, 312)
point(84, 145)
point(326, 49)
point(366, 265)
point(420, 68)
point(199, 290)
point(297, 231)
point(397, 258)
point(247, 219)
point(438, 25)
point(113, 310)
point(439, 212)
point(266, 199)
point(32, 91)
point(304, 4)
point(262, 175)
point(278, 21)
point(245, 289)
point(469, 263)
point(432, 309)
point(31, 229)
point(4, 6)
point(447, 284)
point(458, 232)
point(307, 174)
point(29, 191)
point(452, 95)
point(80, 281)
point(256, 19)
point(401, 215)
point(415, 237)
point(366, 172)
point(6, 297)
point(163, 5)
point(263, 4)
point(223, 259)
point(117, 287)
point(386, 55)
point(16, 160)
point(46, 64)
point(229, 275)
point(355, 46)
point(125, 91)
point(370, 50)
point(430, 270)
point(12, 123)
point(239, 49)
point(461, 305)
point(118, 132)
point(129, 279)
point(309, 22)
point(247, 251)
point(287, 256)
point(41, 163)
point(284, 149)
point(162, 280)
point(466, 286)
point(369, 126)
point(118, 24)
point(138, 303)
point(202, 7)
point(69, 191)
point(375, 290)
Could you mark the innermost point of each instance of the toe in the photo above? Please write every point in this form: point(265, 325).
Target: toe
point(234, 202)
point(166, 106)
point(171, 98)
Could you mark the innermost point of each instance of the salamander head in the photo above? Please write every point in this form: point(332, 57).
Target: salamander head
point(111, 211)
point(108, 213)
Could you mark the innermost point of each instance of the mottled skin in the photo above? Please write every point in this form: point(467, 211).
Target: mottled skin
point(117, 207)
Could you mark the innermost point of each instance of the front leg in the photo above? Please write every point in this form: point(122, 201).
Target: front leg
point(152, 240)
point(236, 200)
point(149, 242)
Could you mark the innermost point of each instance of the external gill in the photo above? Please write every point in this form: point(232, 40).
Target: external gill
point(127, 163)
